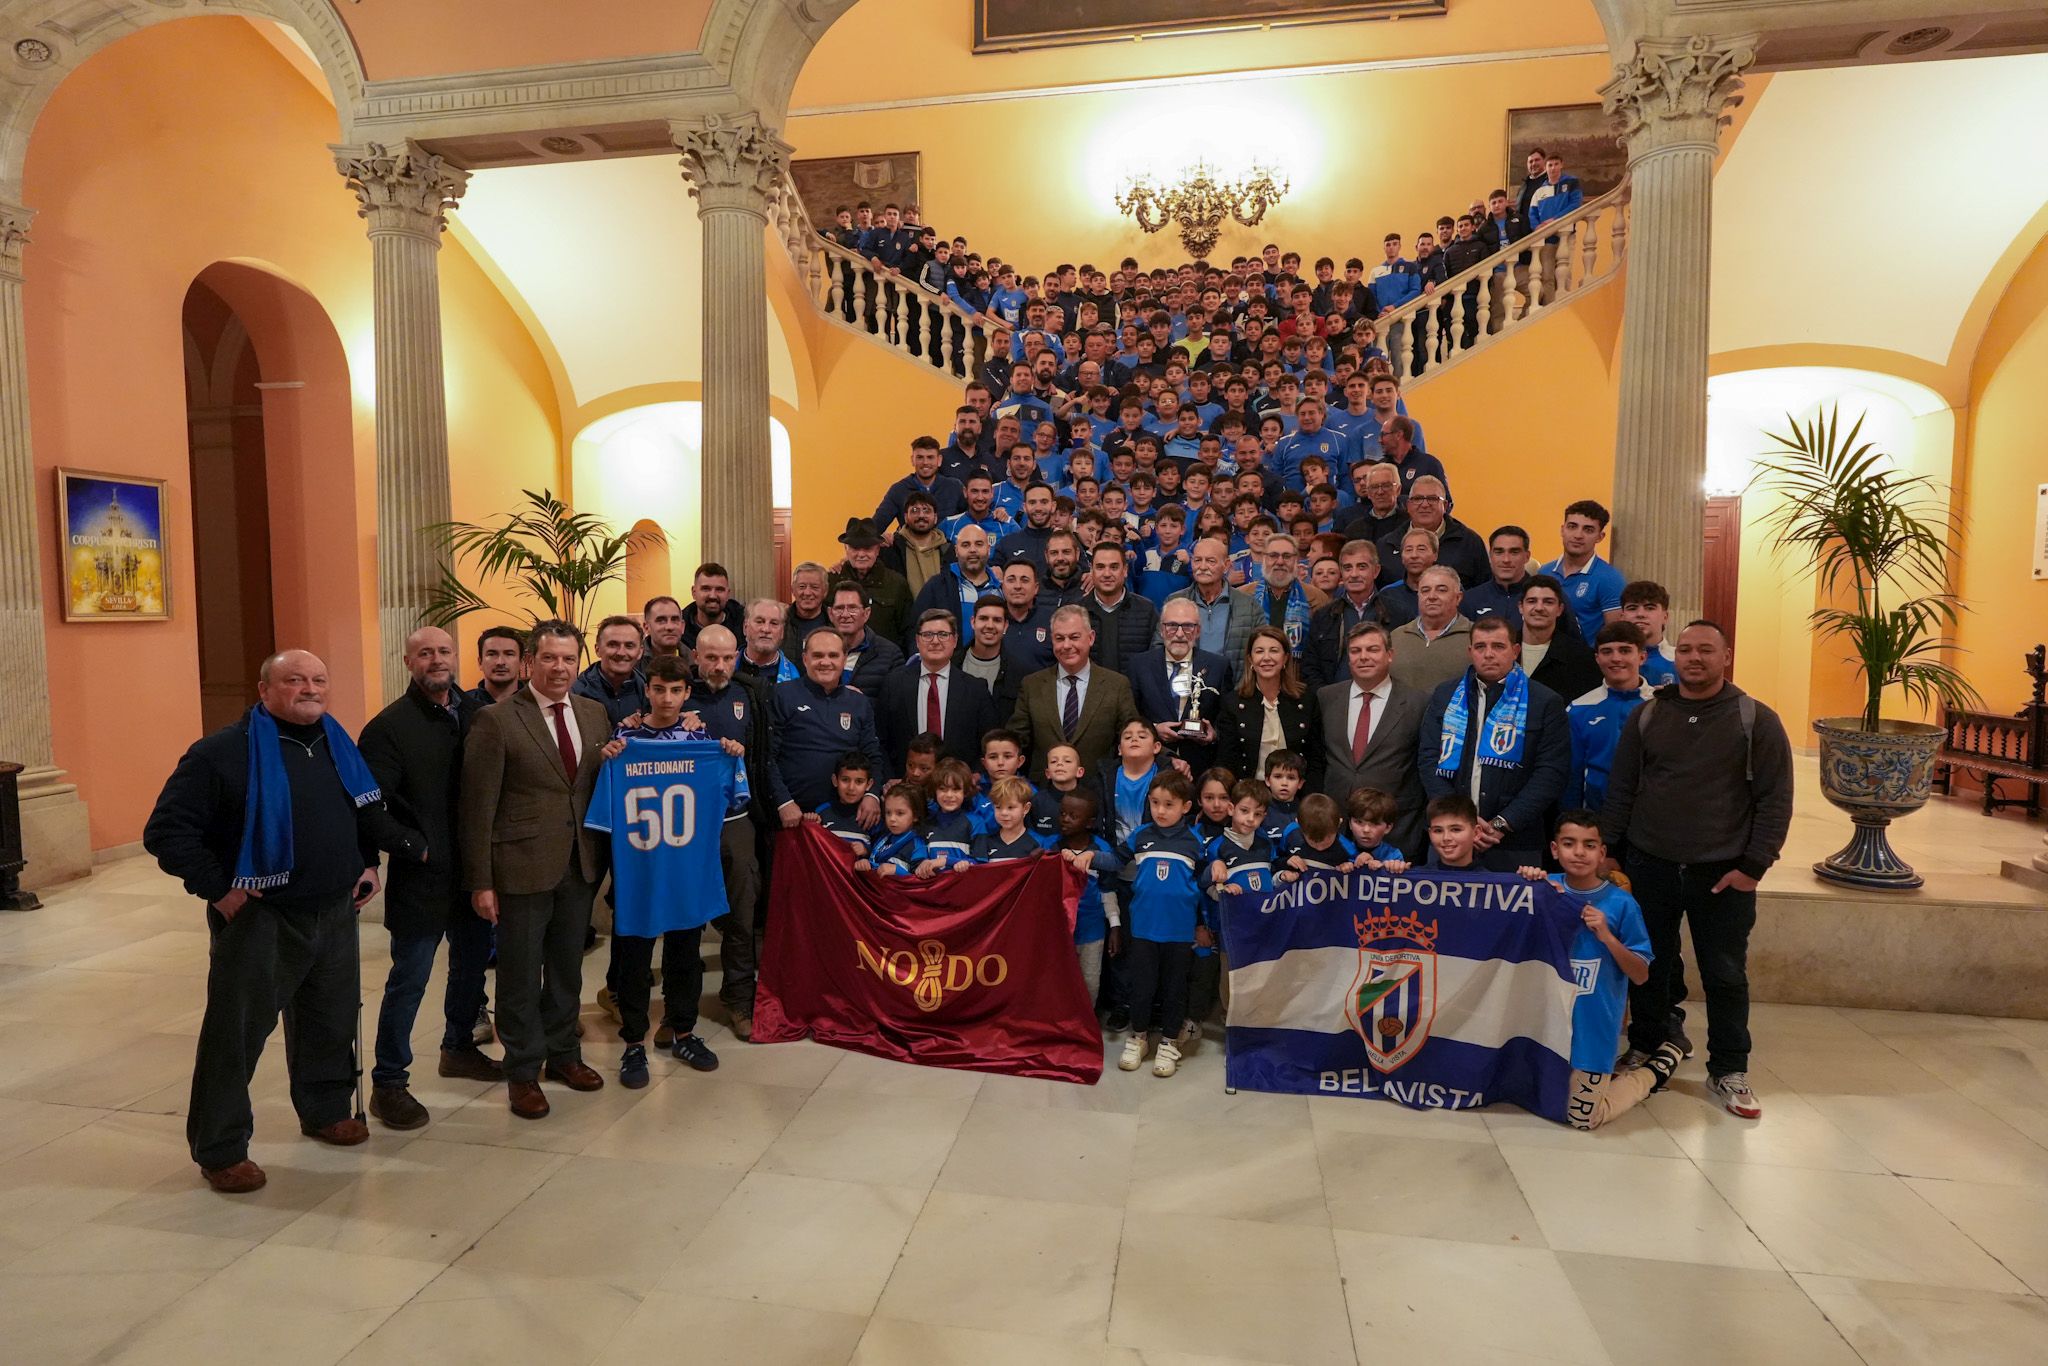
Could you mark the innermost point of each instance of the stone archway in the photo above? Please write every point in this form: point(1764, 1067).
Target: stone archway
point(52, 38)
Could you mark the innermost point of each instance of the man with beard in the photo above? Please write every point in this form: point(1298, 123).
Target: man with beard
point(663, 620)
point(500, 657)
point(711, 604)
point(1064, 581)
point(962, 583)
point(414, 747)
point(918, 550)
point(763, 659)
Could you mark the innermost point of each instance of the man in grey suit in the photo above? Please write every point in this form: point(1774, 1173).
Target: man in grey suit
point(528, 768)
point(1370, 729)
point(1227, 615)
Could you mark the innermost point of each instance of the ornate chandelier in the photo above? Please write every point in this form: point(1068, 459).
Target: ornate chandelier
point(1200, 201)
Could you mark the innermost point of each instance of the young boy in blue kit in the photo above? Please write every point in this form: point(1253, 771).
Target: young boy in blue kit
point(1166, 918)
point(1284, 771)
point(1611, 950)
point(899, 852)
point(1369, 818)
point(1315, 841)
point(841, 816)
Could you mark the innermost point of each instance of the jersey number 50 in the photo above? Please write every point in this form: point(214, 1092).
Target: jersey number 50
point(667, 816)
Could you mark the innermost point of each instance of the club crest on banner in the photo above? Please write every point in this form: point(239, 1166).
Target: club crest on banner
point(1392, 1000)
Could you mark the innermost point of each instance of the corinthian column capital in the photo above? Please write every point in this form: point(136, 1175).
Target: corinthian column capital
point(14, 221)
point(401, 189)
point(1673, 91)
point(732, 162)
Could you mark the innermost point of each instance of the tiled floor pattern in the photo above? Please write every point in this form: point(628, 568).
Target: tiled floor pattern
point(803, 1205)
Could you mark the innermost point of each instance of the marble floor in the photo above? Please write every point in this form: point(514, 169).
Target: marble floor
point(804, 1205)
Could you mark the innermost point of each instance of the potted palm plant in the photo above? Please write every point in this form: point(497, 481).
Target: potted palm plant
point(1878, 544)
point(552, 557)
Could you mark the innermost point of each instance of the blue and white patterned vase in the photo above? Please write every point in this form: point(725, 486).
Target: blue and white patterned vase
point(1876, 777)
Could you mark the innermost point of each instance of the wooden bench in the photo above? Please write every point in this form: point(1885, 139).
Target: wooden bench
point(2000, 748)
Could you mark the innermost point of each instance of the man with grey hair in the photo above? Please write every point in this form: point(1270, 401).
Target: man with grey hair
point(1074, 702)
point(763, 658)
point(275, 822)
point(414, 746)
point(807, 583)
point(1432, 648)
point(1457, 545)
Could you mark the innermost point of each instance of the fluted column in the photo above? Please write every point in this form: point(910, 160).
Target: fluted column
point(405, 195)
point(55, 834)
point(734, 166)
point(1669, 99)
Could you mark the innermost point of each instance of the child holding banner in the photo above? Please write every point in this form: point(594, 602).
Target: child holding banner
point(1611, 950)
point(1314, 841)
point(950, 828)
point(841, 816)
point(1079, 845)
point(899, 853)
point(1012, 838)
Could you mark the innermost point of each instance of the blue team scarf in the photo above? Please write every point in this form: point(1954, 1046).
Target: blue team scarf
point(1296, 621)
point(1507, 725)
point(266, 859)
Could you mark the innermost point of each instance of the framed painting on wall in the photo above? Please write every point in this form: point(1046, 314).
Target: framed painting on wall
point(824, 183)
point(1580, 133)
point(1007, 25)
point(110, 534)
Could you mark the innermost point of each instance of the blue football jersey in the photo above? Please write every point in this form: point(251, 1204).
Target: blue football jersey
point(664, 803)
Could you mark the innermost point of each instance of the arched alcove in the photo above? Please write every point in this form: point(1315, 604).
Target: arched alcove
point(648, 572)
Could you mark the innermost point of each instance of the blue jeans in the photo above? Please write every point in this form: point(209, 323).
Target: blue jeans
point(412, 962)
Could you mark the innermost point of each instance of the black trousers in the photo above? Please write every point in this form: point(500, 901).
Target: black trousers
point(682, 958)
point(1721, 922)
point(1157, 975)
point(540, 974)
point(296, 957)
point(1205, 983)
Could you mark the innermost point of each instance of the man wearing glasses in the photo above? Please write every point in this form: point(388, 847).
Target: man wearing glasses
point(1458, 546)
point(933, 694)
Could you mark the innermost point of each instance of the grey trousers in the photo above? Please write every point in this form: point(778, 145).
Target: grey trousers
point(540, 974)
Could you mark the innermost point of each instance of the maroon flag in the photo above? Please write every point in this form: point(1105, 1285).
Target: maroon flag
point(972, 969)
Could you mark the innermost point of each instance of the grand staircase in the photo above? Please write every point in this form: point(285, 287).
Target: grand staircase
point(1470, 312)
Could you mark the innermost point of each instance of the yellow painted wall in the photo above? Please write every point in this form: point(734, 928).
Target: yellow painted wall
point(2007, 458)
point(1367, 152)
point(926, 45)
point(120, 235)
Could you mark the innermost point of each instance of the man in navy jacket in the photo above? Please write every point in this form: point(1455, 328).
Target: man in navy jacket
point(1515, 799)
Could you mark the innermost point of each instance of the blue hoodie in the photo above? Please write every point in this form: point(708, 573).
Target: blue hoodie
point(1596, 721)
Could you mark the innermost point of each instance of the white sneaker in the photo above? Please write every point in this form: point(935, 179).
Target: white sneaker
point(1168, 1060)
point(1134, 1053)
point(1732, 1089)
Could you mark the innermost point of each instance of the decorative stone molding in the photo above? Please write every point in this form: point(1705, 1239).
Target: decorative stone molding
point(14, 221)
point(1675, 91)
point(401, 189)
point(734, 163)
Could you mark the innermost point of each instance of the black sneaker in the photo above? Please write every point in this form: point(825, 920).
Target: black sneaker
point(1119, 1019)
point(688, 1048)
point(1683, 1044)
point(633, 1067)
point(1664, 1062)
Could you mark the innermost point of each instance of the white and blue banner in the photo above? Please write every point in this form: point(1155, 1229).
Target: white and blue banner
point(1435, 990)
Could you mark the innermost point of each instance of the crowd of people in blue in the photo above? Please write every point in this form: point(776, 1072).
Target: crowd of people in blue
point(1181, 597)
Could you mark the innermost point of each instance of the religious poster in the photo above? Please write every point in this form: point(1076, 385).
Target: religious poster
point(111, 538)
point(1006, 25)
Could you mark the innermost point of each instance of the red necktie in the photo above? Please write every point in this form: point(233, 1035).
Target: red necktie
point(1363, 734)
point(933, 722)
point(564, 743)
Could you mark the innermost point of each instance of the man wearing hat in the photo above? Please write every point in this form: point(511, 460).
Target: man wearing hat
point(889, 595)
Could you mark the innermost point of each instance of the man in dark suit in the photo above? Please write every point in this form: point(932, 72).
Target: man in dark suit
point(528, 769)
point(414, 746)
point(1179, 688)
point(1516, 796)
point(1370, 724)
point(1073, 702)
point(933, 688)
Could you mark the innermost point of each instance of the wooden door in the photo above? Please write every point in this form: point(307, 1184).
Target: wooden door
point(1722, 567)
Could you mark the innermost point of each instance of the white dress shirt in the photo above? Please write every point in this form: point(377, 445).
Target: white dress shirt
point(1376, 699)
point(547, 717)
